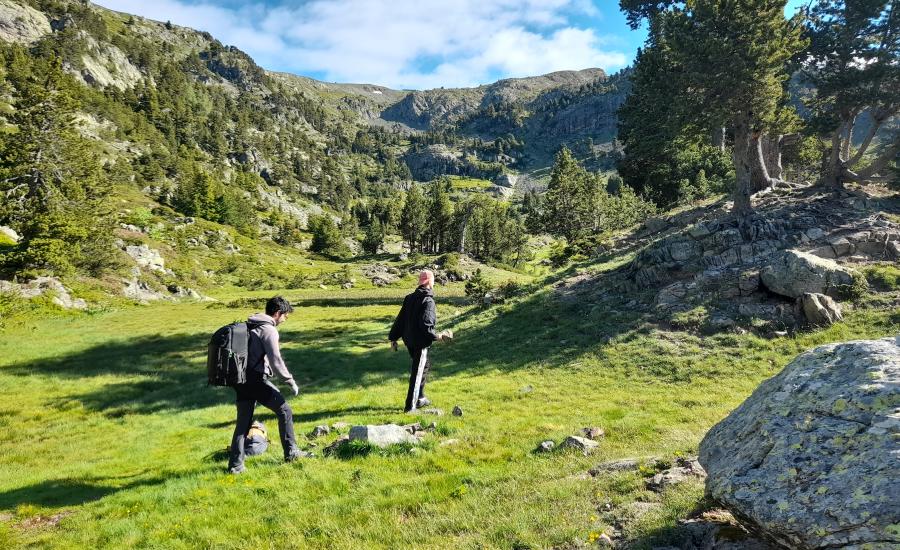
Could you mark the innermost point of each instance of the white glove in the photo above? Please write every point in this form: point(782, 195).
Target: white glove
point(294, 388)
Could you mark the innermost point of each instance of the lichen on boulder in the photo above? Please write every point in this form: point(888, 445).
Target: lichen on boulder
point(812, 458)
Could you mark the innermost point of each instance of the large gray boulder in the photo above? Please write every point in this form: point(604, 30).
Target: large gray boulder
point(793, 273)
point(382, 436)
point(812, 459)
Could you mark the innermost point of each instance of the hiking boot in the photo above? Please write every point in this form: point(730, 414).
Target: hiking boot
point(235, 470)
point(423, 402)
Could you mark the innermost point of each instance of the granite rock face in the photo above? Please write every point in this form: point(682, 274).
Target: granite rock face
point(811, 460)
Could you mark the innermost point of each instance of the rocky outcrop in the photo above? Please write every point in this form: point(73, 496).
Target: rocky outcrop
point(436, 160)
point(276, 198)
point(106, 65)
point(810, 460)
point(793, 273)
point(44, 286)
point(21, 24)
point(146, 257)
point(506, 180)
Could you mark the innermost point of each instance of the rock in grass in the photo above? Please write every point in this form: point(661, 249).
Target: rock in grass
point(545, 446)
point(331, 449)
point(622, 465)
point(413, 428)
point(582, 444)
point(339, 426)
point(810, 459)
point(685, 469)
point(457, 411)
point(432, 411)
point(319, 431)
point(381, 436)
point(820, 310)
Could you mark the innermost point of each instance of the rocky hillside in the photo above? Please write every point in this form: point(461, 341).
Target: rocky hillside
point(108, 51)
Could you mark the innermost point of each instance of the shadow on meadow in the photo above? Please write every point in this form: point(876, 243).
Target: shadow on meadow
point(151, 374)
point(59, 493)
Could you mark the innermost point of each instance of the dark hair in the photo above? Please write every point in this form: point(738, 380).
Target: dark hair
point(276, 304)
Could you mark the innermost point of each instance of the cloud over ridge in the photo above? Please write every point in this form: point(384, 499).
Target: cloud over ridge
point(404, 43)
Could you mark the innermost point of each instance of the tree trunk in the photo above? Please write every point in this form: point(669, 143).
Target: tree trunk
point(833, 176)
point(718, 138)
point(878, 164)
point(743, 151)
point(766, 169)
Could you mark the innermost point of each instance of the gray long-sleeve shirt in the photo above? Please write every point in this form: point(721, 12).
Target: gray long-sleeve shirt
point(265, 353)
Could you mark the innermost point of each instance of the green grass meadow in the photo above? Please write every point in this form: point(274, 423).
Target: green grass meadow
point(112, 438)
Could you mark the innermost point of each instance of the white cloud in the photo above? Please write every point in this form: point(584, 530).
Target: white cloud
point(403, 43)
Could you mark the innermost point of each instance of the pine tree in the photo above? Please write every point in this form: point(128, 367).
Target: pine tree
point(732, 57)
point(570, 204)
point(414, 219)
point(854, 71)
point(440, 216)
point(54, 190)
point(374, 237)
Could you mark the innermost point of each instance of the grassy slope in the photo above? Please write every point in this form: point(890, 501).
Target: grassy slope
point(108, 421)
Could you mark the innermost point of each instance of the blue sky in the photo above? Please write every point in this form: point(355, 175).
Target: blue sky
point(412, 43)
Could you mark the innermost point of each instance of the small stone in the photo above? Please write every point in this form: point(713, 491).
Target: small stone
point(319, 431)
point(526, 389)
point(621, 465)
point(582, 444)
point(342, 440)
point(432, 426)
point(593, 432)
point(605, 541)
point(432, 411)
point(413, 428)
point(545, 446)
point(448, 442)
point(457, 411)
point(323, 287)
point(340, 426)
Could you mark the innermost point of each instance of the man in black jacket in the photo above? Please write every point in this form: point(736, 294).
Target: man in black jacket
point(415, 325)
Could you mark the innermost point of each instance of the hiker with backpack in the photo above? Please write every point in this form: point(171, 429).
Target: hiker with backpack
point(245, 356)
point(415, 325)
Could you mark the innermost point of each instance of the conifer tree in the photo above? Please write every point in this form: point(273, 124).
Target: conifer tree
point(52, 183)
point(733, 56)
point(414, 218)
point(854, 68)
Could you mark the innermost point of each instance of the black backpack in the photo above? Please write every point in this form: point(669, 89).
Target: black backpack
point(226, 363)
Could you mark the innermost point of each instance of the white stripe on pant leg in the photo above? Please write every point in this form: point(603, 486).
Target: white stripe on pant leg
point(419, 371)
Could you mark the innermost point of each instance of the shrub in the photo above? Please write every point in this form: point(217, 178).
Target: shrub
point(478, 287)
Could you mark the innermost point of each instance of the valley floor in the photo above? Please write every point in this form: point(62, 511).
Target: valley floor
point(113, 440)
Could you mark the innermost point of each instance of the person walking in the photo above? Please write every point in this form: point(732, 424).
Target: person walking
point(415, 326)
point(264, 360)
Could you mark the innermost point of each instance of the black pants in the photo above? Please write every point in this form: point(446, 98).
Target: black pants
point(415, 356)
point(258, 390)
